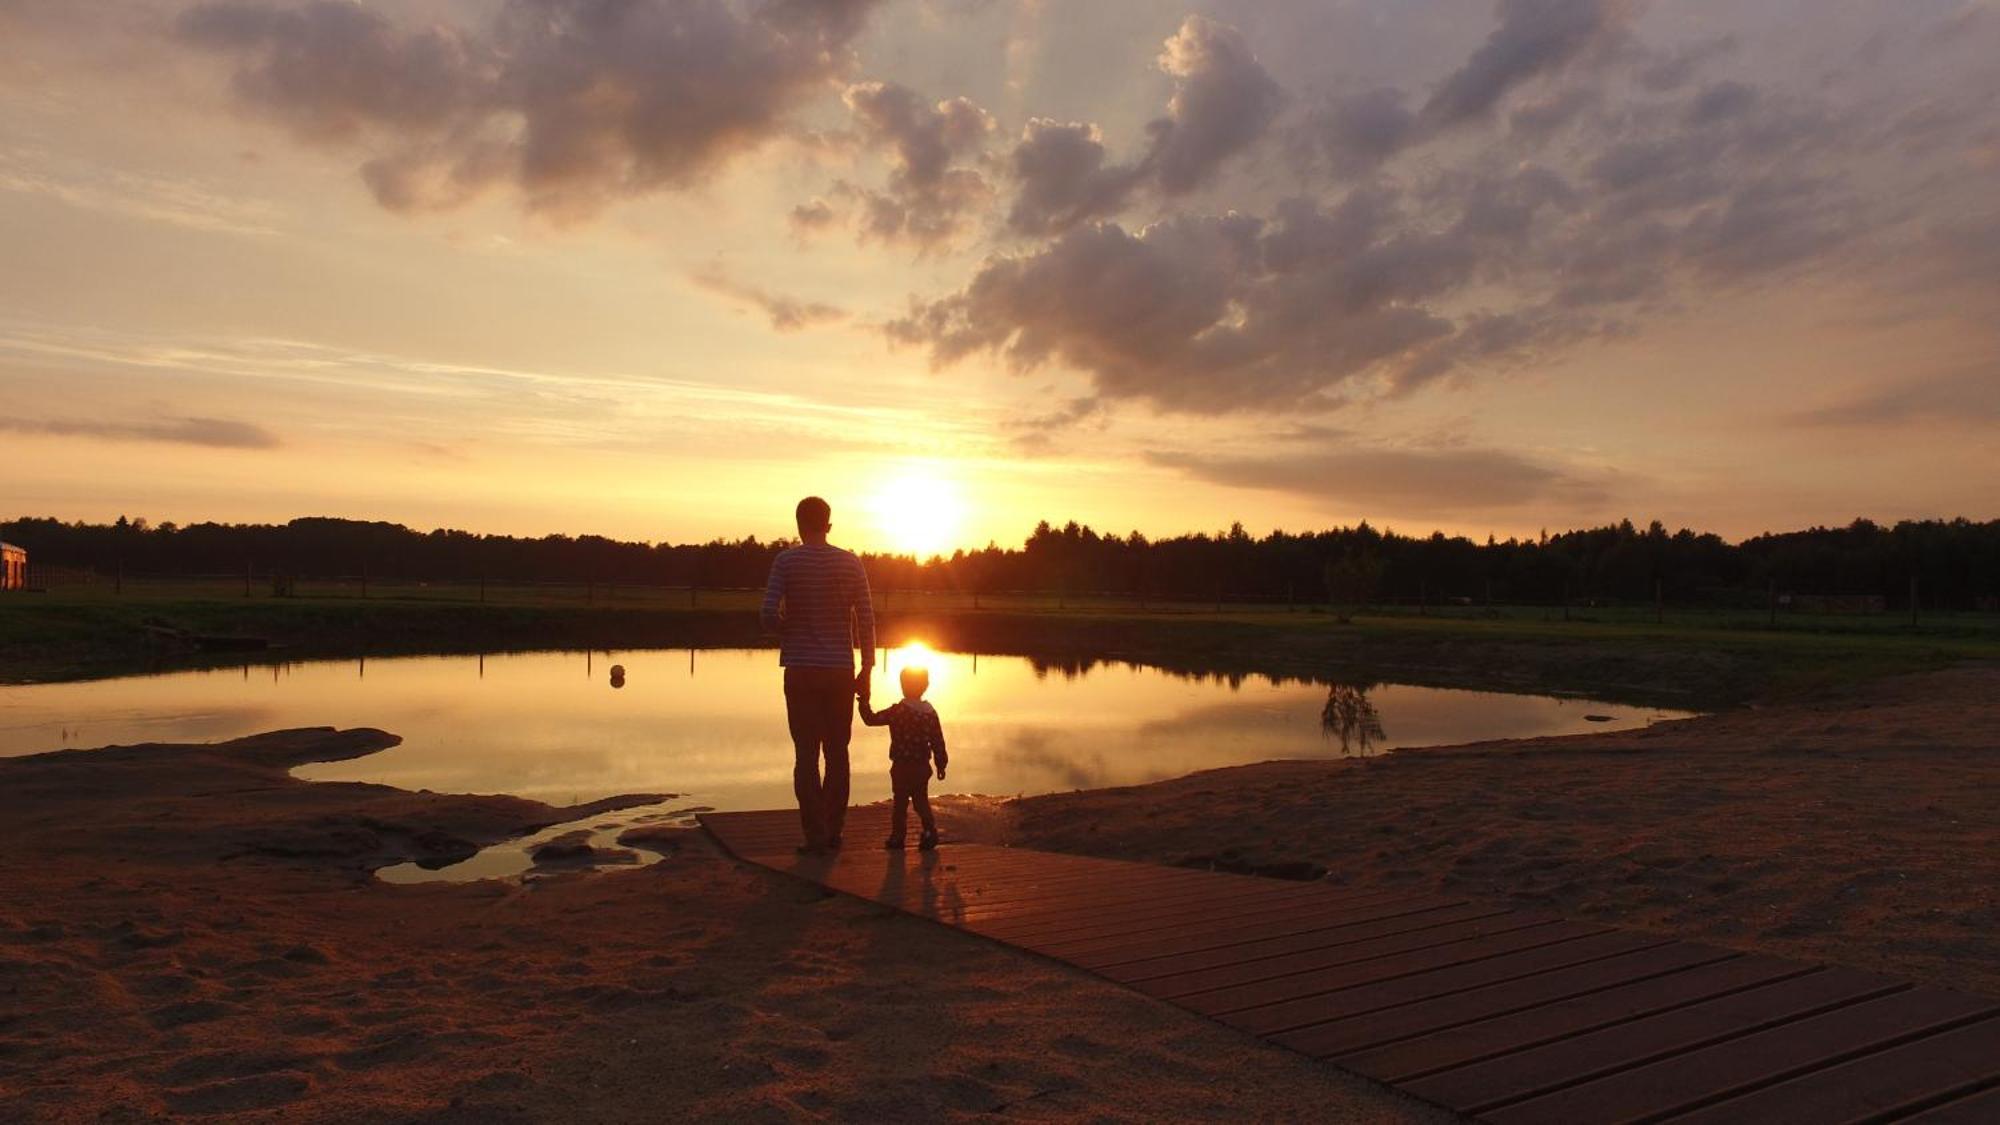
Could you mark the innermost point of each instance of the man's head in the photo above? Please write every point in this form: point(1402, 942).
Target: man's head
point(815, 519)
point(916, 681)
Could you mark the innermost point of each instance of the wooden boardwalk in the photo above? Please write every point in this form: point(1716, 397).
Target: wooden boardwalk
point(1509, 1016)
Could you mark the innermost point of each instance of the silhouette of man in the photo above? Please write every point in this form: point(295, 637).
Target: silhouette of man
point(817, 603)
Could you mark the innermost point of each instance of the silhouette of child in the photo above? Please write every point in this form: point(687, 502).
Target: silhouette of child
point(915, 738)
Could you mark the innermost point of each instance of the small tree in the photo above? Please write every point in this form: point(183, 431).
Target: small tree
point(1350, 717)
point(1351, 580)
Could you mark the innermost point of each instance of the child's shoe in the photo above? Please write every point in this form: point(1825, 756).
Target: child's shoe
point(927, 842)
point(894, 844)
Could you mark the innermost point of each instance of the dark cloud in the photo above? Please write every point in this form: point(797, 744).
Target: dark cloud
point(928, 197)
point(1223, 101)
point(575, 102)
point(1063, 179)
point(1210, 313)
point(1406, 481)
point(1482, 259)
point(812, 216)
point(1362, 130)
point(215, 433)
point(1535, 38)
point(786, 314)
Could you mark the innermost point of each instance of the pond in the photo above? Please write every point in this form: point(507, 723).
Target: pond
point(710, 724)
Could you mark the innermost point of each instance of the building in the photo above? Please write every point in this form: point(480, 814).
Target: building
point(13, 567)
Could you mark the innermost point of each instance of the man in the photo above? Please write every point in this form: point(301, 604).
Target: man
point(817, 603)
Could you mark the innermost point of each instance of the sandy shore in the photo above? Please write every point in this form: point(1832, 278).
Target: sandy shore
point(1863, 831)
point(188, 930)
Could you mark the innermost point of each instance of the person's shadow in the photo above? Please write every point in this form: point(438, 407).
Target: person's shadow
point(926, 886)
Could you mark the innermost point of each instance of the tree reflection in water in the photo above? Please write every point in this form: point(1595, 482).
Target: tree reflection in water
point(1349, 717)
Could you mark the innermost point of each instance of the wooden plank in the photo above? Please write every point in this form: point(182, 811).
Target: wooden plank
point(1294, 1014)
point(1885, 1084)
point(1104, 954)
point(1044, 930)
point(1075, 917)
point(1422, 1021)
point(1543, 1021)
point(1340, 953)
point(1580, 1057)
point(1744, 1062)
point(1259, 941)
point(1981, 1107)
point(1289, 988)
point(1519, 1017)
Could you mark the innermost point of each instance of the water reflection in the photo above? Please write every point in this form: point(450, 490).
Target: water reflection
point(554, 726)
point(1350, 717)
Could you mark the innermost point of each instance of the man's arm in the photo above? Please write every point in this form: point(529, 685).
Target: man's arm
point(771, 615)
point(864, 618)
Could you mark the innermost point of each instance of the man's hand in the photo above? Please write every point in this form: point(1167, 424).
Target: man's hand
point(940, 773)
point(862, 688)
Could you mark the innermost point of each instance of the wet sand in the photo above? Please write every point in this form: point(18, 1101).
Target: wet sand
point(1862, 830)
point(189, 930)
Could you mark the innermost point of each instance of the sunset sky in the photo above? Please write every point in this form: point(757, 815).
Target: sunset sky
point(656, 268)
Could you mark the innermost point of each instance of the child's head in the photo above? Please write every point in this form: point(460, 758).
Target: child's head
point(916, 681)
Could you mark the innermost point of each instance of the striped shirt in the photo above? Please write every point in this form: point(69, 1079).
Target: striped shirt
point(817, 603)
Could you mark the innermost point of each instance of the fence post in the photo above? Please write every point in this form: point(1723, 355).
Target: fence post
point(364, 579)
point(1771, 597)
point(482, 601)
point(1913, 600)
point(247, 567)
point(118, 579)
point(1659, 602)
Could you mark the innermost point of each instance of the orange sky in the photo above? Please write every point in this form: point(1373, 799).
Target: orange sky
point(654, 270)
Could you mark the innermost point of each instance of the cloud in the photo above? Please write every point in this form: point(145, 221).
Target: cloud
point(214, 433)
point(787, 314)
point(1401, 481)
point(575, 103)
point(1234, 312)
point(1535, 38)
point(1966, 397)
point(1223, 101)
point(812, 216)
point(1361, 130)
point(1063, 179)
point(927, 197)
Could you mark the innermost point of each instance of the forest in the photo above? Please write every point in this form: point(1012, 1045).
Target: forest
point(1955, 564)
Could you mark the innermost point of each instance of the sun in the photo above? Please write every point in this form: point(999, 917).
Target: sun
point(917, 654)
point(918, 512)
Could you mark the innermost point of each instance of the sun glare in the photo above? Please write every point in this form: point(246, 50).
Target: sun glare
point(918, 513)
point(916, 654)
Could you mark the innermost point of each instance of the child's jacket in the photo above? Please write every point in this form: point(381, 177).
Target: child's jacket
point(915, 735)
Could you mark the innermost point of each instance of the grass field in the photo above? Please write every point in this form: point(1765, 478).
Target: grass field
point(1721, 656)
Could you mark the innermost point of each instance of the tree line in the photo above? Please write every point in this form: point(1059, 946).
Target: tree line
point(1955, 563)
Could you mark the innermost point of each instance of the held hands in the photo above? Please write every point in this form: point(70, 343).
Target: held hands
point(862, 689)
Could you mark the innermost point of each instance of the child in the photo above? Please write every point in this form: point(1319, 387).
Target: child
point(915, 737)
